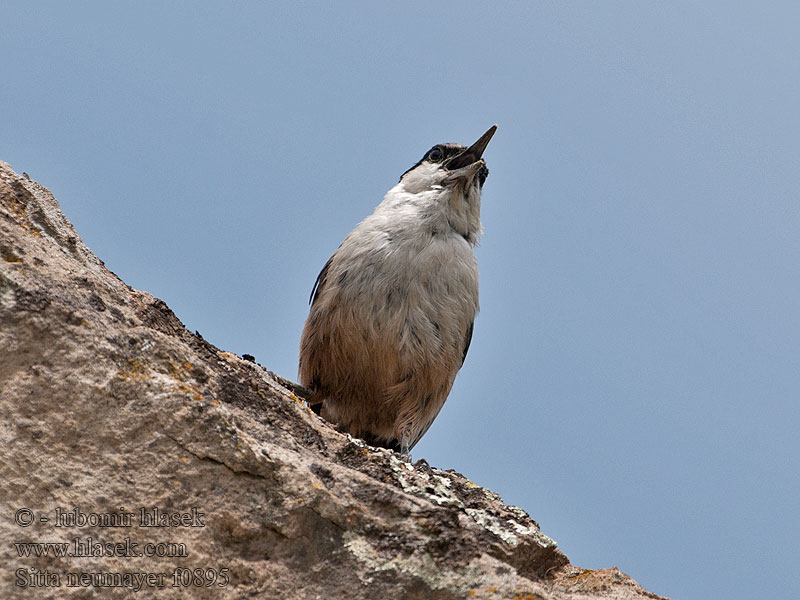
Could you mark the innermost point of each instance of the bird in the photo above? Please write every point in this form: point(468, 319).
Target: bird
point(392, 311)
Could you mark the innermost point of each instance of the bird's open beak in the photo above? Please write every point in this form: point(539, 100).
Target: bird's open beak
point(473, 153)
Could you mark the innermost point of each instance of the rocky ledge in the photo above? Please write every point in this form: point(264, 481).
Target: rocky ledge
point(137, 458)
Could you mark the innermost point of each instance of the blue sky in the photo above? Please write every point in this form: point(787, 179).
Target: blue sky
point(634, 375)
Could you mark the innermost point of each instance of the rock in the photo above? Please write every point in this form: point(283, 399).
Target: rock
point(115, 417)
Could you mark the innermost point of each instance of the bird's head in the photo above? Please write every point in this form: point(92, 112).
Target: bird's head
point(452, 177)
point(449, 165)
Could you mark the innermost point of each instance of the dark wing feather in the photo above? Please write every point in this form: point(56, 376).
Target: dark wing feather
point(320, 282)
point(467, 342)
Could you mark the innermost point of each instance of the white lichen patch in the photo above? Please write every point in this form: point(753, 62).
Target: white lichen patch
point(7, 298)
point(492, 496)
point(517, 512)
point(509, 530)
point(493, 524)
point(356, 441)
point(433, 488)
point(540, 538)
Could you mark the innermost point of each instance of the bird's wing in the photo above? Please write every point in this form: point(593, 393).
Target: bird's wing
point(467, 341)
point(320, 282)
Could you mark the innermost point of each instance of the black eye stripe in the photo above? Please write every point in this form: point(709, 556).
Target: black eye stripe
point(448, 151)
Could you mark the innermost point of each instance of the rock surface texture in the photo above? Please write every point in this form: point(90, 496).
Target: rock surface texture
point(115, 417)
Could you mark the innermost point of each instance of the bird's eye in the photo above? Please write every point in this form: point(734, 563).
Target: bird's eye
point(436, 154)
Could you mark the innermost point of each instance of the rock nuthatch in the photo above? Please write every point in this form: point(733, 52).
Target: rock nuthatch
point(392, 310)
